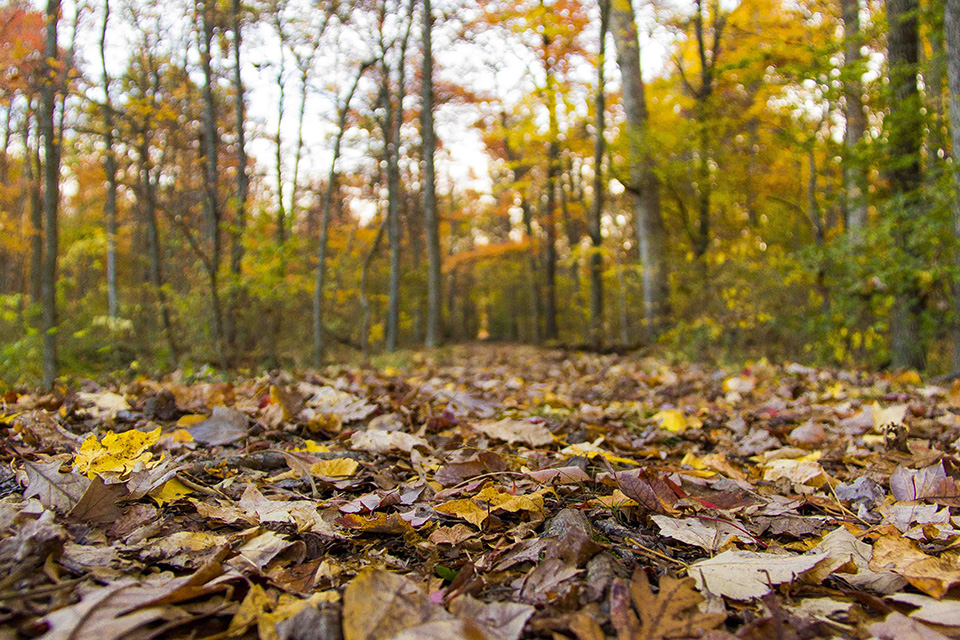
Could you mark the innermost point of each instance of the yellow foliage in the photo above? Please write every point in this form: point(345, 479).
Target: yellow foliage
point(116, 454)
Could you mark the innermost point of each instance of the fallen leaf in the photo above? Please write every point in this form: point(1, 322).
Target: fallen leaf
point(746, 575)
point(899, 627)
point(670, 613)
point(377, 441)
point(711, 535)
point(224, 426)
point(934, 576)
point(674, 421)
point(941, 612)
point(533, 434)
point(378, 604)
point(843, 549)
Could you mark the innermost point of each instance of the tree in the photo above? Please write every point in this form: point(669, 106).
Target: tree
point(905, 134)
point(854, 174)
point(243, 179)
point(431, 218)
point(51, 196)
point(110, 168)
point(644, 187)
point(326, 208)
point(951, 23)
point(208, 157)
point(596, 239)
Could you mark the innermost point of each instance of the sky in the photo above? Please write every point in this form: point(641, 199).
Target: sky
point(463, 160)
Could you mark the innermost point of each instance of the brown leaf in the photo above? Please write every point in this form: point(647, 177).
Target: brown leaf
point(670, 613)
point(378, 604)
point(934, 576)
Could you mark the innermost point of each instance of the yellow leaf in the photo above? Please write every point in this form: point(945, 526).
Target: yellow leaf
point(465, 510)
point(117, 453)
point(693, 461)
point(336, 468)
point(171, 490)
point(181, 435)
point(908, 377)
point(309, 446)
point(190, 420)
point(674, 421)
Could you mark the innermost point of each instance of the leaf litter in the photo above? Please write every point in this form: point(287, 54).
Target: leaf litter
point(492, 493)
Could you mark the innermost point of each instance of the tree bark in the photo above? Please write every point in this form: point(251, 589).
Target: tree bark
point(209, 158)
point(51, 197)
point(149, 206)
point(33, 168)
point(243, 183)
point(905, 127)
point(431, 218)
point(951, 23)
point(644, 187)
point(393, 117)
point(596, 217)
point(110, 168)
point(854, 172)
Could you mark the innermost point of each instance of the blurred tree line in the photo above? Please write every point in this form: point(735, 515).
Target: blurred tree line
point(783, 186)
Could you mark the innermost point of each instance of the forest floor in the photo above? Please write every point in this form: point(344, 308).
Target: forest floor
point(503, 493)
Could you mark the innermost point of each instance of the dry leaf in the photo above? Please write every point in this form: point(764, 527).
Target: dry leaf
point(746, 575)
point(934, 576)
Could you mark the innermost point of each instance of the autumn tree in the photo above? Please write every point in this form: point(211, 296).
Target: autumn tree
point(904, 138)
point(644, 185)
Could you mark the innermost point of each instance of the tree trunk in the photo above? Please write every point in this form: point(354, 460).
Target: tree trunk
point(110, 168)
point(599, 148)
point(854, 173)
point(951, 23)
point(551, 330)
point(905, 126)
point(51, 198)
point(243, 185)
point(326, 206)
point(431, 218)
point(644, 187)
point(33, 168)
point(209, 158)
point(364, 298)
point(394, 118)
point(155, 268)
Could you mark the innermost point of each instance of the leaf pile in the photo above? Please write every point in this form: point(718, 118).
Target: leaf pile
point(500, 493)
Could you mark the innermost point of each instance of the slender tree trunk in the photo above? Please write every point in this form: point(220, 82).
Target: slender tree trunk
point(298, 151)
point(431, 218)
point(645, 188)
point(32, 172)
point(211, 205)
point(326, 207)
point(278, 139)
point(622, 300)
point(51, 198)
point(243, 184)
point(599, 190)
point(394, 117)
point(905, 128)
point(110, 168)
point(155, 267)
point(551, 329)
point(951, 21)
point(364, 297)
point(854, 174)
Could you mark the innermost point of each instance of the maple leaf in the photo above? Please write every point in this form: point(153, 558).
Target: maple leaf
point(670, 613)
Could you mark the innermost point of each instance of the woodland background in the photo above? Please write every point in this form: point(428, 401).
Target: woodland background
point(783, 186)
